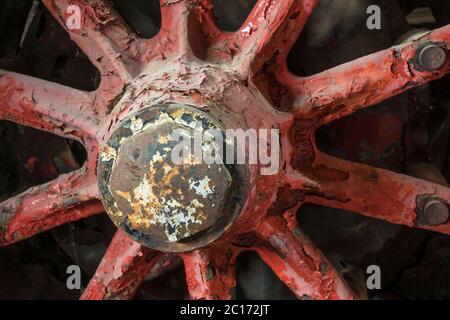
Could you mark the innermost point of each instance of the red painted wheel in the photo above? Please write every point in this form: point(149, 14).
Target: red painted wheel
point(192, 62)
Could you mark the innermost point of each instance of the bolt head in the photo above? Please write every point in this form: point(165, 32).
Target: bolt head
point(432, 57)
point(434, 213)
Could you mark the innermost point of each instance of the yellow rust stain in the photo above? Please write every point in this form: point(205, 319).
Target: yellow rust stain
point(152, 209)
point(108, 153)
point(190, 160)
point(178, 113)
point(164, 139)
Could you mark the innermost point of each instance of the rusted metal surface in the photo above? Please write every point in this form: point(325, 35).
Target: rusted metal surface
point(432, 57)
point(432, 212)
point(157, 200)
point(190, 62)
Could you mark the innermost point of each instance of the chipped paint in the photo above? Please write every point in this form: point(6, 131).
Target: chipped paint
point(108, 154)
point(136, 125)
point(202, 187)
point(152, 210)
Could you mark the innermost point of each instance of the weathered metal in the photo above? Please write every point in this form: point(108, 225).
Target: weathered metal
point(432, 212)
point(164, 204)
point(231, 77)
point(118, 279)
point(432, 57)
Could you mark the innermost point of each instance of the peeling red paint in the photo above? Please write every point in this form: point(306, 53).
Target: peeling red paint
point(69, 198)
point(299, 264)
point(210, 272)
point(125, 265)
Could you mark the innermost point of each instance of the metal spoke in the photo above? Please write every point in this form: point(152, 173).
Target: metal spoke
point(298, 263)
point(210, 273)
point(123, 268)
point(272, 27)
point(174, 35)
point(379, 194)
point(106, 40)
point(204, 11)
point(47, 106)
point(70, 197)
point(345, 89)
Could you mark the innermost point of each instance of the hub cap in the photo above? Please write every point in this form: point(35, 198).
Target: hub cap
point(162, 202)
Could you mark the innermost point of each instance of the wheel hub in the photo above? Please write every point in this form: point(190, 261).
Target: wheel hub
point(156, 188)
